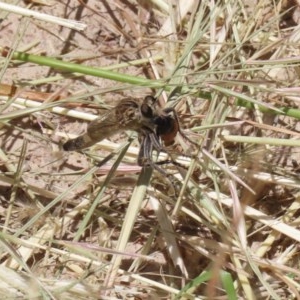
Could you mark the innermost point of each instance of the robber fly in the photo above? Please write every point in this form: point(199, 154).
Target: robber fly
point(129, 114)
point(156, 127)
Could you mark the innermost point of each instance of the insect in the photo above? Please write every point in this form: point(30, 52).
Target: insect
point(129, 114)
point(156, 127)
point(165, 130)
point(167, 126)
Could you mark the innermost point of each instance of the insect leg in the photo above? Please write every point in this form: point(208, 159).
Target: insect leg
point(148, 141)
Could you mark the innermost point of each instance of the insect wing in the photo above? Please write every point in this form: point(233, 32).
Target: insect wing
point(97, 130)
point(126, 115)
point(103, 127)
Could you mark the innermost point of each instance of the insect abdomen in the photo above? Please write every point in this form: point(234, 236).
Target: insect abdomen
point(78, 143)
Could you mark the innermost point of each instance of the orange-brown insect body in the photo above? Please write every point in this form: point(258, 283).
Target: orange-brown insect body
point(152, 123)
point(167, 126)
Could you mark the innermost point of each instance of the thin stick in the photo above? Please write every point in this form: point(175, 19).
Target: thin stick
point(44, 17)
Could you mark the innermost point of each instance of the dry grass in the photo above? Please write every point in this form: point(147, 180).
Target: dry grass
point(228, 228)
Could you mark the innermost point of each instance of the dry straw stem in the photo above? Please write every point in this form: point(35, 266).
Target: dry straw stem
point(46, 233)
point(43, 17)
point(129, 221)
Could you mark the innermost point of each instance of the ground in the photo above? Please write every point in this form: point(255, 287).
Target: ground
point(73, 229)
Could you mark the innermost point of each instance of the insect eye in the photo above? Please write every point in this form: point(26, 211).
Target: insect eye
point(146, 111)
